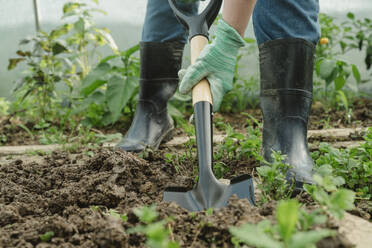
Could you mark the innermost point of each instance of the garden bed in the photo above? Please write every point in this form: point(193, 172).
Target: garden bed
point(74, 197)
point(79, 200)
point(14, 132)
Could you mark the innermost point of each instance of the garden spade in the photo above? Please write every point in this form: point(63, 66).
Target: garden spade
point(208, 192)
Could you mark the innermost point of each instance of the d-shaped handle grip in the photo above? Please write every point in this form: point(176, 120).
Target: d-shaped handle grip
point(198, 24)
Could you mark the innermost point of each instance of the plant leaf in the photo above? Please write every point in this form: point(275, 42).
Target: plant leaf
point(339, 82)
point(326, 68)
point(254, 236)
point(306, 239)
point(13, 63)
point(95, 79)
point(287, 216)
point(356, 73)
point(58, 48)
point(119, 90)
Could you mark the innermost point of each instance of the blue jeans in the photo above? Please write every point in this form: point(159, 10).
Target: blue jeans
point(272, 19)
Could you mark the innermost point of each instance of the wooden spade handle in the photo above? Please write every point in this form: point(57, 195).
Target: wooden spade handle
point(202, 90)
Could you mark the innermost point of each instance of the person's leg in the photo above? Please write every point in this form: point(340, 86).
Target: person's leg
point(273, 19)
point(161, 25)
point(161, 49)
point(287, 32)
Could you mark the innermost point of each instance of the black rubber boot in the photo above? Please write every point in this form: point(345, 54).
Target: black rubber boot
point(160, 63)
point(286, 68)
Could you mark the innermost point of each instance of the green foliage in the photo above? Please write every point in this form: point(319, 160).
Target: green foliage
point(285, 234)
point(146, 214)
point(327, 193)
point(110, 87)
point(114, 213)
point(4, 106)
point(353, 165)
point(239, 146)
point(337, 40)
point(156, 233)
point(62, 56)
point(46, 236)
point(273, 183)
point(336, 202)
point(236, 146)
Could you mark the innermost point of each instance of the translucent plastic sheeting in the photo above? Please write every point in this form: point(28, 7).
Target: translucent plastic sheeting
point(124, 19)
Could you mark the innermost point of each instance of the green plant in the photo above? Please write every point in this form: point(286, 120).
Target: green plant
point(353, 165)
point(157, 235)
point(330, 67)
point(274, 185)
point(46, 236)
point(4, 106)
point(110, 88)
point(285, 234)
point(327, 193)
point(239, 146)
point(64, 55)
point(114, 213)
point(83, 35)
point(45, 70)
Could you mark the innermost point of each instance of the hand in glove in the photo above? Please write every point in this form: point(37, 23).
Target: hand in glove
point(216, 63)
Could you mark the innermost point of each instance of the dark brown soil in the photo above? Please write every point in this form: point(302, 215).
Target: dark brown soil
point(71, 195)
point(320, 118)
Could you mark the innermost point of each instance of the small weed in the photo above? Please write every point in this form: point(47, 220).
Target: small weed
point(46, 236)
point(116, 214)
point(209, 212)
point(273, 183)
point(284, 234)
point(327, 193)
point(156, 233)
point(353, 165)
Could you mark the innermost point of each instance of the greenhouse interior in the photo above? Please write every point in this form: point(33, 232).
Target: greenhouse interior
point(186, 123)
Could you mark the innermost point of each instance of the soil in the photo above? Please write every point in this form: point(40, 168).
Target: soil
point(71, 195)
point(12, 133)
point(320, 118)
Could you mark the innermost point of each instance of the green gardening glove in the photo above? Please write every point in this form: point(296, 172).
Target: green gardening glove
point(216, 63)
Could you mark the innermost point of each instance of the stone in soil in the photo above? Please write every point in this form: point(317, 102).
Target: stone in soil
point(62, 192)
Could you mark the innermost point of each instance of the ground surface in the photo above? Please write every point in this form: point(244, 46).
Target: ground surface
point(12, 133)
point(71, 195)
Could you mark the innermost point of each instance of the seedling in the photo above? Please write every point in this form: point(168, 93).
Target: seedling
point(284, 234)
point(46, 236)
point(156, 233)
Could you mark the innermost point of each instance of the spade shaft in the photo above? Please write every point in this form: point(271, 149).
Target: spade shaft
point(208, 192)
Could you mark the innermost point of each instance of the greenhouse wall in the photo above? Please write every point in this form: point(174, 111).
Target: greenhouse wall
point(124, 19)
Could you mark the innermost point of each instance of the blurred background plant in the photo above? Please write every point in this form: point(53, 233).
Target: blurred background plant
point(75, 74)
point(337, 81)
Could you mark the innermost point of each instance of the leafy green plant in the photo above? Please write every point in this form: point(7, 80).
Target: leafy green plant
point(110, 87)
point(83, 35)
point(237, 146)
point(65, 56)
point(285, 234)
point(330, 67)
point(46, 236)
point(114, 213)
point(4, 106)
point(274, 185)
point(156, 233)
point(327, 193)
point(353, 165)
point(45, 70)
